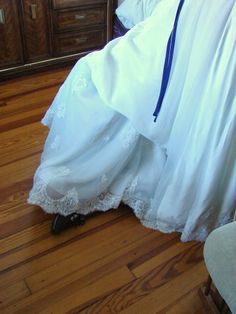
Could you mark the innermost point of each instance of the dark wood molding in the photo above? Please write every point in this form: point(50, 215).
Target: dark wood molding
point(61, 4)
point(40, 66)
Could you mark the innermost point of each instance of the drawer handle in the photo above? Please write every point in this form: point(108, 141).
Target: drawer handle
point(2, 16)
point(81, 40)
point(80, 16)
point(33, 11)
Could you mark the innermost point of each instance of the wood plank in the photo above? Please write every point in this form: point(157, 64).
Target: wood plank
point(165, 256)
point(28, 102)
point(17, 224)
point(18, 171)
point(27, 84)
point(13, 293)
point(64, 270)
point(94, 268)
point(26, 236)
point(91, 293)
point(46, 245)
point(76, 297)
point(26, 109)
point(23, 118)
point(208, 301)
point(22, 142)
point(169, 292)
point(96, 229)
point(188, 302)
point(2, 103)
point(16, 208)
point(14, 196)
point(123, 249)
point(15, 213)
point(147, 284)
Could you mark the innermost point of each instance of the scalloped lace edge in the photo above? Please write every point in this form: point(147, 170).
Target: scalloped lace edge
point(70, 203)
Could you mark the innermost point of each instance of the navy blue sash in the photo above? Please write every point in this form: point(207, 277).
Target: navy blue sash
point(118, 28)
point(168, 61)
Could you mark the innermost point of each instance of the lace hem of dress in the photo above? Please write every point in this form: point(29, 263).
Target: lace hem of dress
point(70, 203)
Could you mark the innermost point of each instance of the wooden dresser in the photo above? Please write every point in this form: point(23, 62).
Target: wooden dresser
point(35, 34)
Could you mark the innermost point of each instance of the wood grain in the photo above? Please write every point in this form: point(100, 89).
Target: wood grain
point(112, 253)
point(169, 292)
point(19, 143)
point(30, 36)
point(147, 284)
point(84, 40)
point(29, 84)
point(184, 303)
point(61, 4)
point(13, 293)
point(10, 37)
point(112, 264)
point(70, 20)
point(36, 30)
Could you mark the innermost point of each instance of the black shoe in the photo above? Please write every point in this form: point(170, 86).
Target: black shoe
point(61, 223)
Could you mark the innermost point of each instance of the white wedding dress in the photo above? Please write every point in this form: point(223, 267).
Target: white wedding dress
point(103, 148)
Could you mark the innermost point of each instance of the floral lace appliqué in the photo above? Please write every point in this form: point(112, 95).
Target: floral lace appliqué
point(70, 203)
point(63, 171)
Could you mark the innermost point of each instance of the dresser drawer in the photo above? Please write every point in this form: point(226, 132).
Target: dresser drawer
point(78, 42)
point(60, 4)
point(69, 20)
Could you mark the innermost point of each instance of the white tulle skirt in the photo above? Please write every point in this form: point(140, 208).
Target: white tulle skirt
point(178, 174)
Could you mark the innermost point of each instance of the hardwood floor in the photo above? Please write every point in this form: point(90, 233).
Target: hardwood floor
point(112, 264)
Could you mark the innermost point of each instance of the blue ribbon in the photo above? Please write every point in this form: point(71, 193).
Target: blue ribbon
point(168, 61)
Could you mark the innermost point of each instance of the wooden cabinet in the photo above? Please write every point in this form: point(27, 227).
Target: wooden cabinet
point(72, 43)
point(36, 34)
point(10, 38)
point(36, 29)
point(76, 29)
point(74, 18)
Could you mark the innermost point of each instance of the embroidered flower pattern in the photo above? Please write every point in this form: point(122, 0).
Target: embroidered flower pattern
point(63, 171)
point(80, 84)
point(83, 82)
point(56, 142)
point(61, 109)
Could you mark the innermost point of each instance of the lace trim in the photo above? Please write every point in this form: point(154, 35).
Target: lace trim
point(64, 205)
point(141, 207)
point(70, 203)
